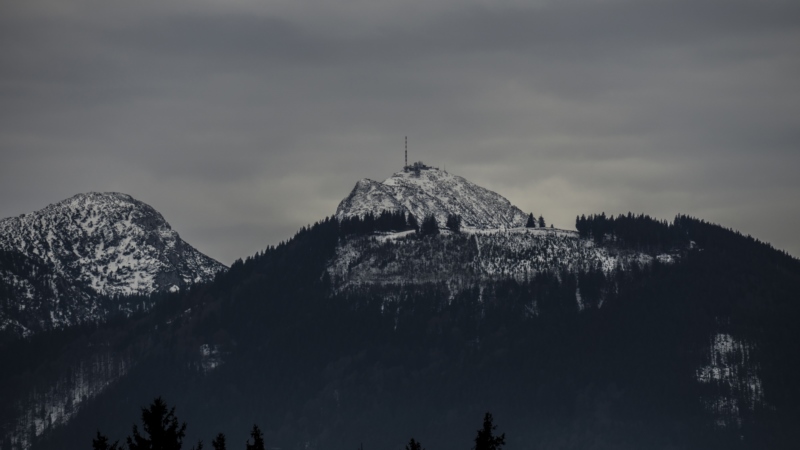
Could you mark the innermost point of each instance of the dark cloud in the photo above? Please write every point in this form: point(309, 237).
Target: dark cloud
point(242, 121)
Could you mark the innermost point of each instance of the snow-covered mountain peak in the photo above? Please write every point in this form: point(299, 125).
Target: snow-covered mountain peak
point(90, 245)
point(86, 213)
point(423, 190)
point(111, 241)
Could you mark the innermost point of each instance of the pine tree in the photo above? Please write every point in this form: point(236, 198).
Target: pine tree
point(429, 226)
point(531, 223)
point(414, 445)
point(582, 225)
point(412, 222)
point(453, 223)
point(101, 443)
point(219, 442)
point(486, 440)
point(258, 439)
point(161, 429)
point(541, 222)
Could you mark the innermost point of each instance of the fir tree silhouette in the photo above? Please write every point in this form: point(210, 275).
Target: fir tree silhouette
point(453, 223)
point(101, 443)
point(429, 226)
point(414, 445)
point(219, 442)
point(486, 440)
point(531, 223)
point(258, 439)
point(161, 429)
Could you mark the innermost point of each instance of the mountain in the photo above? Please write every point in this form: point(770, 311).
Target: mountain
point(627, 333)
point(67, 263)
point(422, 190)
point(492, 245)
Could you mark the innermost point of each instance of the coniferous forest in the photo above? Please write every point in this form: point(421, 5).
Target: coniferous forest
point(318, 368)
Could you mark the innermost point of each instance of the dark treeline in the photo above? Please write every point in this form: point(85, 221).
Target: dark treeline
point(640, 231)
point(161, 430)
point(384, 222)
point(644, 232)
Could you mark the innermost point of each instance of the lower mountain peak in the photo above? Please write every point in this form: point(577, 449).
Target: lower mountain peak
point(92, 245)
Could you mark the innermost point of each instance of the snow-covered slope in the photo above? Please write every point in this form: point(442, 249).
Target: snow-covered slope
point(475, 256)
point(57, 262)
point(422, 190)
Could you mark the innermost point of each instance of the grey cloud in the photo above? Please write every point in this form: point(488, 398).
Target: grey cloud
point(244, 121)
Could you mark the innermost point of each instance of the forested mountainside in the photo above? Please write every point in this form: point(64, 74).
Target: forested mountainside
point(77, 260)
point(692, 351)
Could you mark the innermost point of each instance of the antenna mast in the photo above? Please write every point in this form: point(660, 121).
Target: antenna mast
point(406, 151)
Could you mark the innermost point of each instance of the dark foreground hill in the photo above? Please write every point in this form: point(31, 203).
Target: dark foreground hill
point(697, 350)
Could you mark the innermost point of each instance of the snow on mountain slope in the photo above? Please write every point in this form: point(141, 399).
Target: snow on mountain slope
point(422, 190)
point(473, 256)
point(734, 374)
point(57, 261)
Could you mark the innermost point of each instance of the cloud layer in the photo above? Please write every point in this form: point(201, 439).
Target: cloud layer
point(243, 120)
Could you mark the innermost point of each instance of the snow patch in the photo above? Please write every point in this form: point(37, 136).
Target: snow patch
point(734, 375)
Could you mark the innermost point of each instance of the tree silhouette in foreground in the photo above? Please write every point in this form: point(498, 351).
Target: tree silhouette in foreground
point(486, 440)
point(219, 442)
point(414, 445)
point(101, 443)
point(161, 428)
point(258, 439)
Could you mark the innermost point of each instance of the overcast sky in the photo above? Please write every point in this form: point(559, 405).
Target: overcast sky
point(243, 120)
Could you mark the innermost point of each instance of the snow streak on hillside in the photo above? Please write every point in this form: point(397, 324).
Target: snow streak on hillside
point(733, 375)
point(476, 255)
point(58, 403)
point(422, 190)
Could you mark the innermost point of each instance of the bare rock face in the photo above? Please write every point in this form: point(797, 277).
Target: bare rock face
point(65, 264)
point(422, 190)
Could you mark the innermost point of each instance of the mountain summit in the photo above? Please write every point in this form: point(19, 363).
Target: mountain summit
point(422, 190)
point(58, 261)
